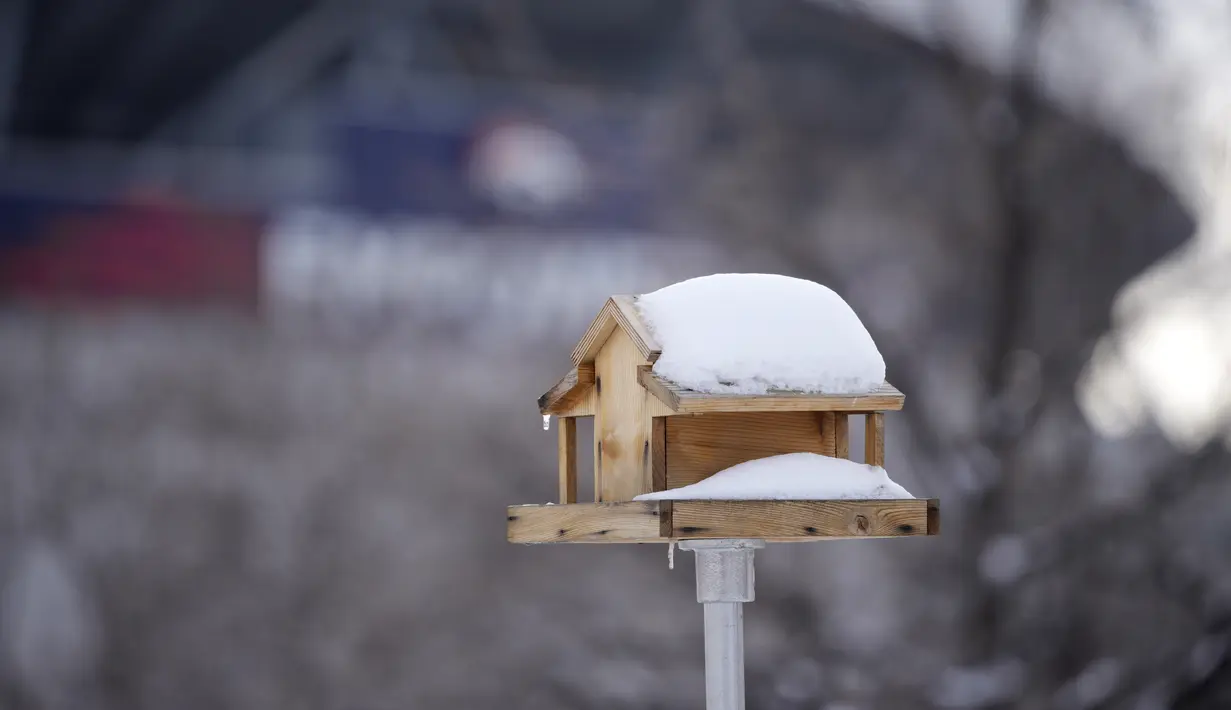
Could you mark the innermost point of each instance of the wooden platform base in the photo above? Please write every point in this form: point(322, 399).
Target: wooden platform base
point(778, 520)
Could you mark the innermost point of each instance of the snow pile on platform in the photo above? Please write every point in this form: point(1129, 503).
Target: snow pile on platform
point(751, 333)
point(800, 476)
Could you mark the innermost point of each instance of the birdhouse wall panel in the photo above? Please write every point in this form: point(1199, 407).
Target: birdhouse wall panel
point(874, 439)
point(623, 422)
point(658, 454)
point(841, 435)
point(698, 446)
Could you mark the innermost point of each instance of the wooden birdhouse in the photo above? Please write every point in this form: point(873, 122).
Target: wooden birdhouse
point(653, 435)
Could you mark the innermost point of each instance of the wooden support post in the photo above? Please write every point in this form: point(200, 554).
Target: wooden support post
point(658, 454)
point(874, 439)
point(658, 471)
point(842, 436)
point(598, 468)
point(566, 450)
point(933, 516)
point(829, 442)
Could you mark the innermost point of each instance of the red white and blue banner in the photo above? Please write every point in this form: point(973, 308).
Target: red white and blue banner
point(444, 171)
point(138, 249)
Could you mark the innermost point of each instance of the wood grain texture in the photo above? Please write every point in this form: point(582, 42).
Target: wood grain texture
point(656, 387)
point(658, 454)
point(842, 436)
point(622, 425)
point(598, 465)
point(566, 451)
point(618, 312)
point(654, 406)
point(584, 405)
point(584, 522)
point(665, 509)
point(626, 315)
point(799, 518)
point(700, 446)
point(773, 520)
point(600, 329)
point(571, 388)
point(885, 398)
point(874, 439)
point(829, 434)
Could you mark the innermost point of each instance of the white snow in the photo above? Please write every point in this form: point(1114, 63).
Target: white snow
point(801, 476)
point(751, 333)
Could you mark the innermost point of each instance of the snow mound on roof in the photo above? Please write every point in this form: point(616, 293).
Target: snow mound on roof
point(752, 333)
point(800, 476)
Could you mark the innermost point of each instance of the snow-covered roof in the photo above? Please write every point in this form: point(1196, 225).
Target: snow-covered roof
point(801, 476)
point(756, 333)
point(738, 342)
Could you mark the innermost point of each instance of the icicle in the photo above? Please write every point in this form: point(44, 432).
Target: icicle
point(671, 554)
point(546, 422)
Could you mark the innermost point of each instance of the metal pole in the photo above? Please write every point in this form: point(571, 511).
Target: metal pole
point(725, 581)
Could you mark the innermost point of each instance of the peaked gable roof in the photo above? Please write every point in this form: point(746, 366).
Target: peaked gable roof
point(618, 311)
point(569, 396)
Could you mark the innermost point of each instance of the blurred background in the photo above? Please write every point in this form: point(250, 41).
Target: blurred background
point(280, 282)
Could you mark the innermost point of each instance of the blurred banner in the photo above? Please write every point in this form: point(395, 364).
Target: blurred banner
point(142, 248)
point(498, 156)
point(478, 177)
point(357, 274)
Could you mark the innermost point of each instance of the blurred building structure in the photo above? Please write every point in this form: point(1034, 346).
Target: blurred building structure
point(203, 504)
point(487, 117)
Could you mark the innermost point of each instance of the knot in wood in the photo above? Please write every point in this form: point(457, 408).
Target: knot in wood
point(862, 525)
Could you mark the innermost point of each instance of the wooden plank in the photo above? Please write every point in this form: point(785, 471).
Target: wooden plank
point(630, 320)
point(829, 433)
point(842, 436)
point(598, 465)
point(615, 313)
point(655, 386)
point(693, 519)
point(584, 522)
point(665, 508)
point(885, 398)
point(654, 406)
point(571, 388)
point(622, 425)
point(584, 405)
point(774, 520)
point(699, 403)
point(874, 439)
point(658, 447)
point(658, 466)
point(592, 340)
point(700, 446)
point(566, 451)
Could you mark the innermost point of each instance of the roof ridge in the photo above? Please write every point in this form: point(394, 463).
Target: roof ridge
point(618, 311)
